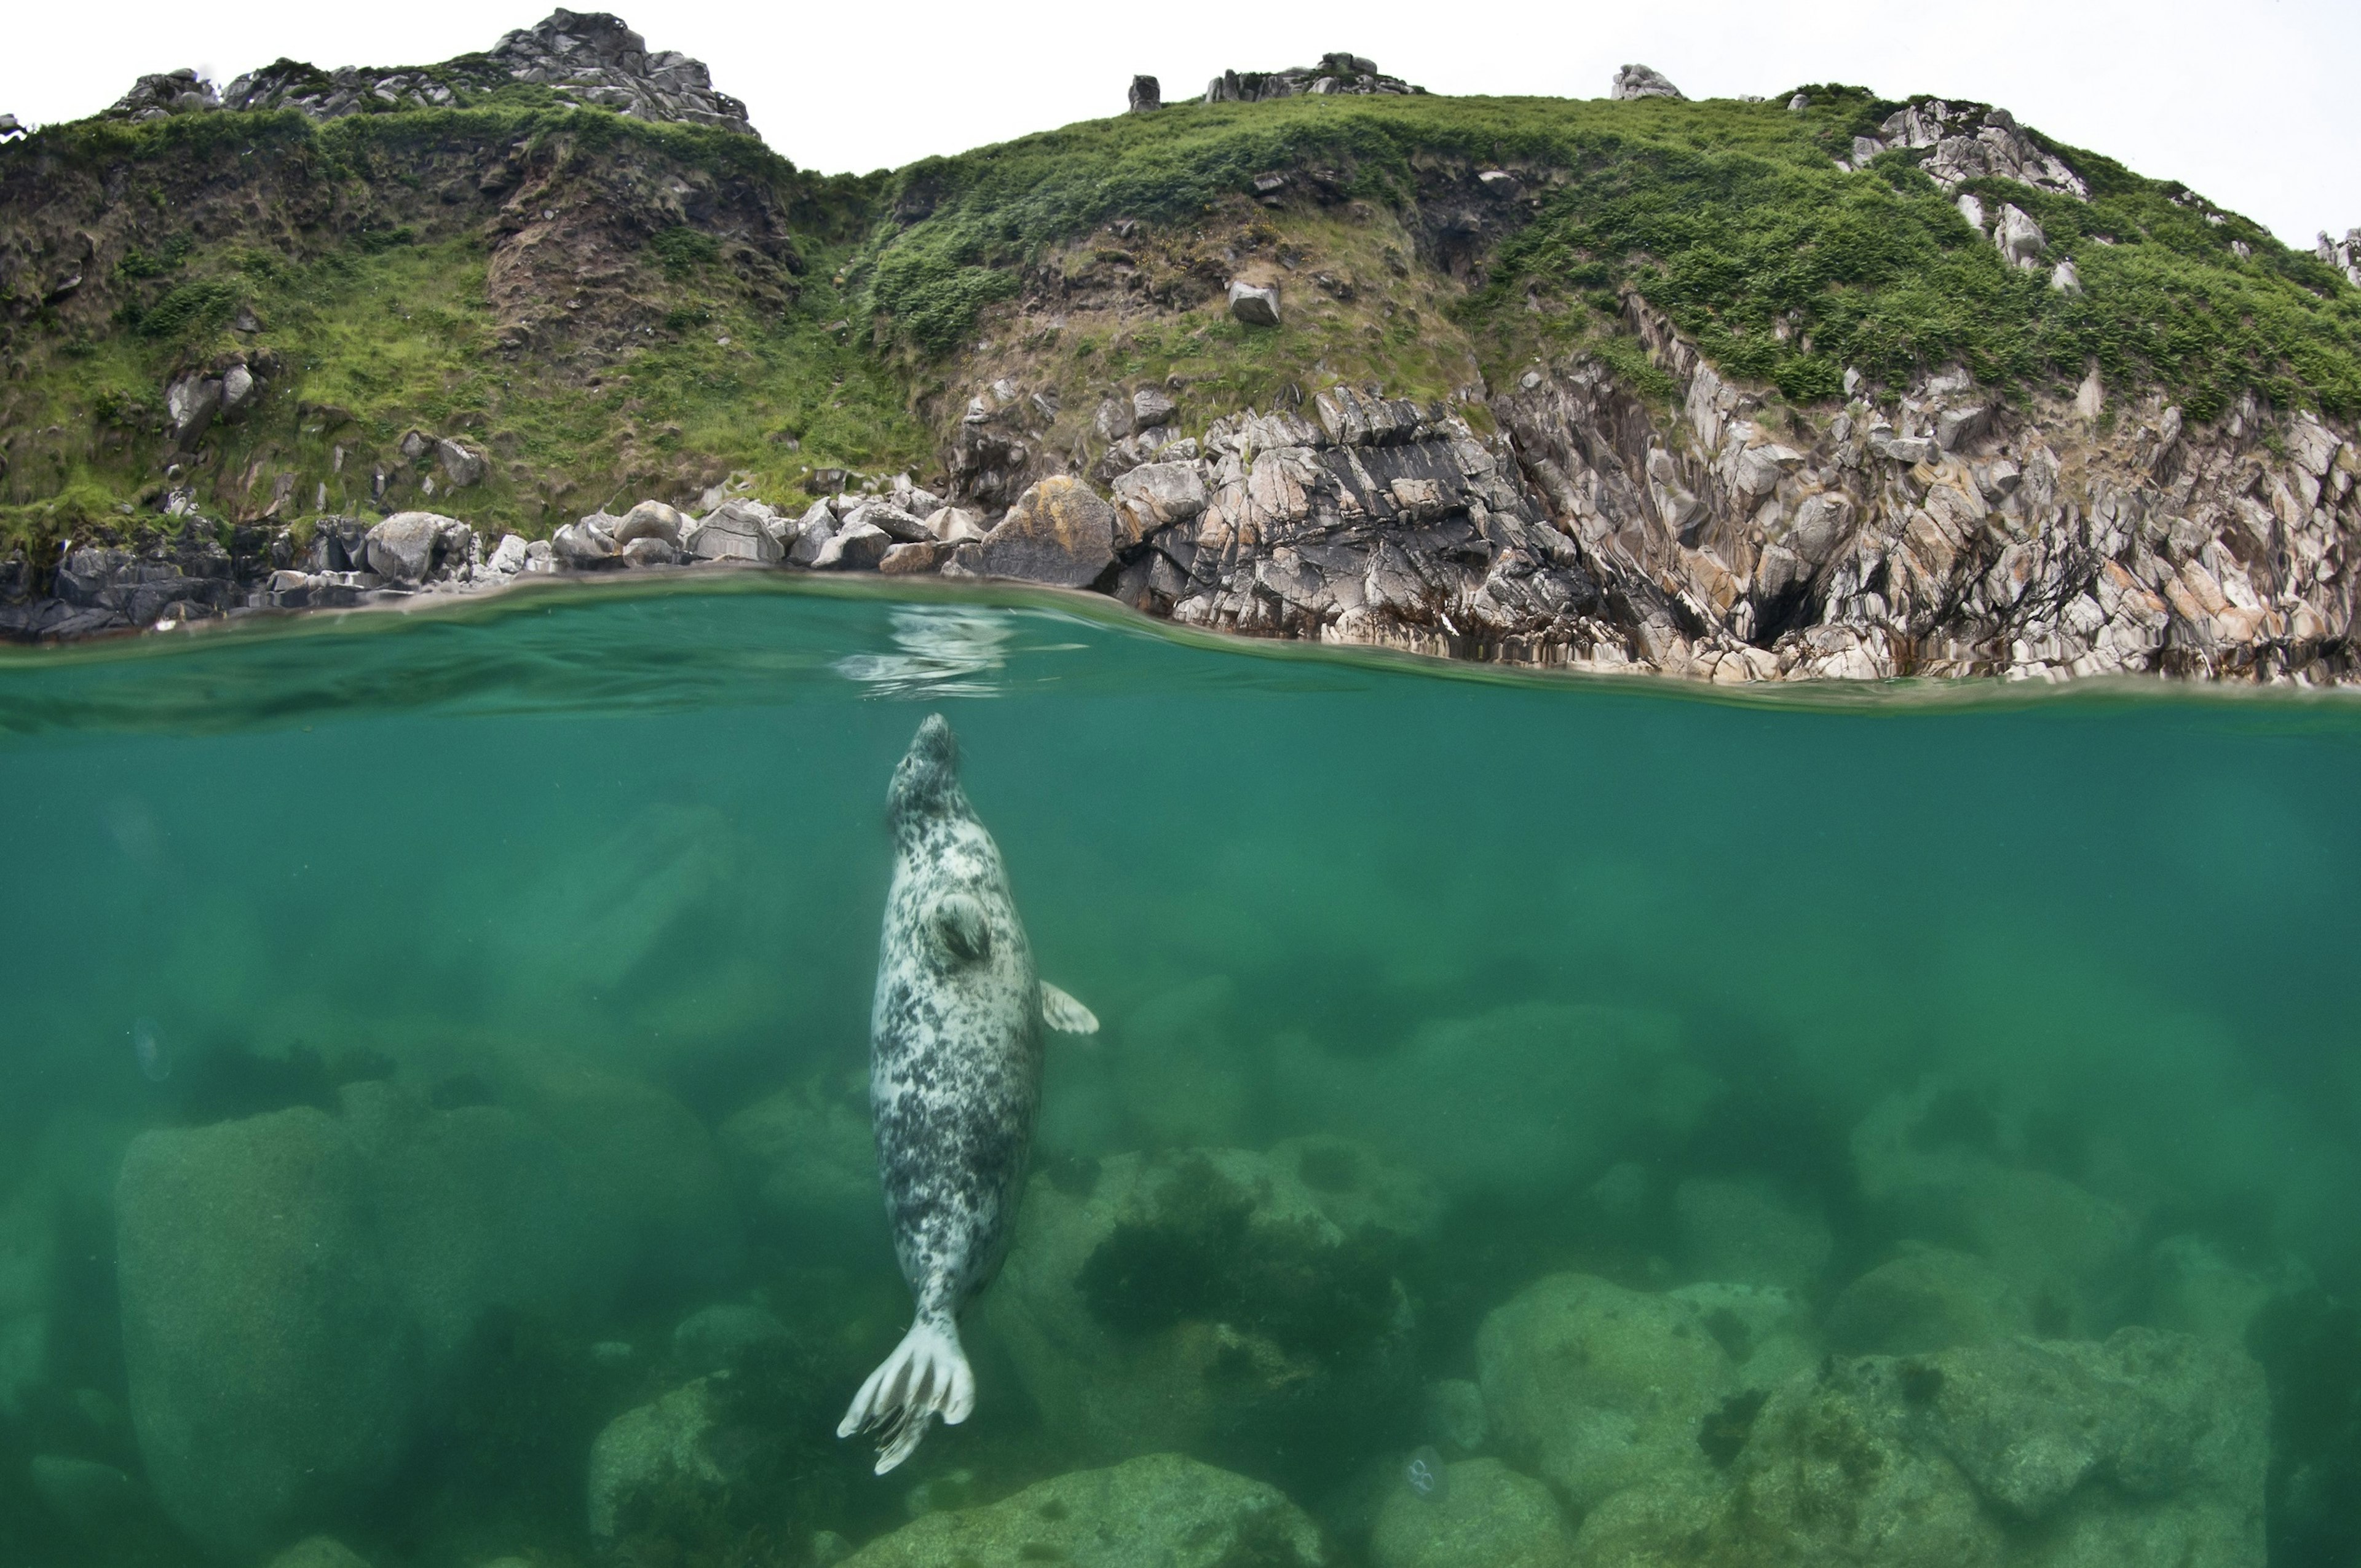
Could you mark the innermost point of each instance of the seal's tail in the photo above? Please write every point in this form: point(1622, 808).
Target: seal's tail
point(926, 1377)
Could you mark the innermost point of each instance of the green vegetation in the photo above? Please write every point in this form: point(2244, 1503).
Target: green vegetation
point(1731, 217)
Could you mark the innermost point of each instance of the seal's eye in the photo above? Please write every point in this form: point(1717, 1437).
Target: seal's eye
point(961, 927)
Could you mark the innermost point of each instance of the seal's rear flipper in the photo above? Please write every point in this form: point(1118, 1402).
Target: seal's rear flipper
point(1065, 1014)
point(926, 1377)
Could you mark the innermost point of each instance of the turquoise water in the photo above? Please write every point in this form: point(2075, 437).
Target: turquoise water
point(1643, 983)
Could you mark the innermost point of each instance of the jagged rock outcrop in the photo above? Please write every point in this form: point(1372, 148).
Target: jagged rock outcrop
point(590, 57)
point(1942, 531)
point(2345, 254)
point(1970, 142)
point(1643, 82)
point(169, 93)
point(1337, 73)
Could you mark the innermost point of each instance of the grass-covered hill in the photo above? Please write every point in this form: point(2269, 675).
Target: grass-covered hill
point(606, 307)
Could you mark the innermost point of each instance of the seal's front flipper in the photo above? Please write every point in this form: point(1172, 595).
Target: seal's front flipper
point(1065, 1014)
point(962, 929)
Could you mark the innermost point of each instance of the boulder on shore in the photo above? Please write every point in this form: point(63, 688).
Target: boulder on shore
point(1059, 531)
point(1254, 305)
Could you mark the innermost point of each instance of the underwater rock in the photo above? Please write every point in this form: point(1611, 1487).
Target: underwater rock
point(300, 1291)
point(1765, 1330)
point(1657, 1526)
point(320, 1551)
point(2148, 1448)
point(1600, 1387)
point(1211, 1299)
point(479, 1208)
point(2195, 1289)
point(719, 1338)
point(652, 1177)
point(1159, 1511)
point(804, 1160)
point(657, 1456)
point(1937, 1164)
point(272, 1370)
point(1183, 1078)
point(1743, 1232)
point(1485, 1515)
point(28, 1261)
point(1522, 1101)
point(109, 1512)
point(1456, 1420)
point(1930, 1298)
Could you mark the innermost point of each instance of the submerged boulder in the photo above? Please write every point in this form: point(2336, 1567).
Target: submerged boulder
point(300, 1291)
point(1943, 1162)
point(1928, 1299)
point(274, 1371)
point(1483, 1515)
point(29, 1260)
point(804, 1160)
point(1159, 1511)
point(1745, 1233)
point(1563, 1089)
point(1599, 1387)
point(2150, 1447)
point(1213, 1300)
point(658, 1457)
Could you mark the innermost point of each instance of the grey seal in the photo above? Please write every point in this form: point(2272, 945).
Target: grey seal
point(954, 1083)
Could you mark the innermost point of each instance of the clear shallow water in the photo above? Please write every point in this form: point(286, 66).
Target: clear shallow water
point(2101, 937)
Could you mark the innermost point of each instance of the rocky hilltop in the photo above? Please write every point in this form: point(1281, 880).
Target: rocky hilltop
point(1819, 385)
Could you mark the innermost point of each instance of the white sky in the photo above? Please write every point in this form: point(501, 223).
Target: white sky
point(2250, 102)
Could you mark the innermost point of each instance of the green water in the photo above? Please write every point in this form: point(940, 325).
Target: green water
point(1552, 946)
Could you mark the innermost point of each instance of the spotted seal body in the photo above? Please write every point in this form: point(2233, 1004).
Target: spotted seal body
point(955, 1079)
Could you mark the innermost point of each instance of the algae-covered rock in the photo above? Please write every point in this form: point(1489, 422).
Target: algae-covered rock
point(2148, 1448)
point(1159, 1511)
point(1599, 1387)
point(1519, 1102)
point(272, 1362)
point(1215, 1300)
point(653, 1459)
point(1485, 1515)
point(1766, 1331)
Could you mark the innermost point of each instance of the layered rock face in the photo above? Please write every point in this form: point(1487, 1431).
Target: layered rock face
point(591, 57)
point(1936, 531)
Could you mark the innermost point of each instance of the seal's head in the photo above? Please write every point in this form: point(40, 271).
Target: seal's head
point(926, 784)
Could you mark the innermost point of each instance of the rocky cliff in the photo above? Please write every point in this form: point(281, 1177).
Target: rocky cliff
point(1821, 385)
